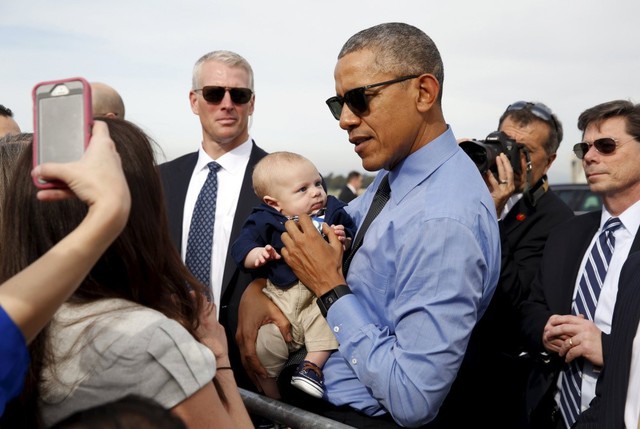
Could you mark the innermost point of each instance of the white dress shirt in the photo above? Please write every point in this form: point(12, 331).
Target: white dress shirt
point(230, 177)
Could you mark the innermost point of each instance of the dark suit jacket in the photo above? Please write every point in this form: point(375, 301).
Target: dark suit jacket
point(552, 293)
point(491, 379)
point(346, 194)
point(176, 175)
point(606, 411)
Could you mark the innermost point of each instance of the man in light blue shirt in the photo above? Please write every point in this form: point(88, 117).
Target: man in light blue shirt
point(420, 281)
point(429, 262)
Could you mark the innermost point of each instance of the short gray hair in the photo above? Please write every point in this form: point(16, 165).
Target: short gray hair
point(401, 49)
point(229, 58)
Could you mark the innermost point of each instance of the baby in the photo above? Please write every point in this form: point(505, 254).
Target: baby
point(289, 185)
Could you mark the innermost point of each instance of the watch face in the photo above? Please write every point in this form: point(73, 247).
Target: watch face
point(329, 300)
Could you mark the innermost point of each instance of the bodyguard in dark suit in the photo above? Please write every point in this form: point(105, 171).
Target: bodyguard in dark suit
point(491, 381)
point(561, 330)
point(222, 97)
point(607, 411)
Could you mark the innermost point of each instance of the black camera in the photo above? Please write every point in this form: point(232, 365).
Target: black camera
point(484, 152)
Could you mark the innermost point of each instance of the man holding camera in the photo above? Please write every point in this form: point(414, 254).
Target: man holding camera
point(493, 376)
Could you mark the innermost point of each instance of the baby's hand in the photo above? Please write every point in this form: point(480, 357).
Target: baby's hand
point(267, 254)
point(338, 230)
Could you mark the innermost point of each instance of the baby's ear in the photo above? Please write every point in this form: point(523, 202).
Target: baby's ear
point(271, 202)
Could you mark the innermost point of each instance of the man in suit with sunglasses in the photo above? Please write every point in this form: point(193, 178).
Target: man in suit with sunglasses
point(571, 305)
point(222, 97)
point(494, 372)
point(410, 291)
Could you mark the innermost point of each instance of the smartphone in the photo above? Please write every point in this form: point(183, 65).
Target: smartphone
point(62, 120)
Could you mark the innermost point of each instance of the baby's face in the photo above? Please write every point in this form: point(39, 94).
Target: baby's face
point(298, 189)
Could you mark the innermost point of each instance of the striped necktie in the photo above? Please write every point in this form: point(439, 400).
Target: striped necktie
point(585, 302)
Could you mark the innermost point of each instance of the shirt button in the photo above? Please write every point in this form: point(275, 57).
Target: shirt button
point(336, 329)
point(354, 361)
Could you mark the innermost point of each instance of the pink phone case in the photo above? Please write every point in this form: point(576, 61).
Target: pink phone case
point(88, 123)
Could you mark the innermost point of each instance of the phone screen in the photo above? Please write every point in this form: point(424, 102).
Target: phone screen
point(61, 130)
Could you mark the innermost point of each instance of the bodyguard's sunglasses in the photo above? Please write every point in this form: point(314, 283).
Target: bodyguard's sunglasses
point(539, 110)
point(357, 99)
point(605, 145)
point(215, 94)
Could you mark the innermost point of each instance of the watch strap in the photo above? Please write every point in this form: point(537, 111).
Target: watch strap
point(326, 300)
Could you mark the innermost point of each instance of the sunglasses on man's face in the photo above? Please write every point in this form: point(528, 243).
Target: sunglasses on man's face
point(357, 99)
point(215, 94)
point(605, 146)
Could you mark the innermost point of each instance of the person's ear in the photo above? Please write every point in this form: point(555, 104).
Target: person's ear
point(550, 160)
point(271, 202)
point(193, 101)
point(429, 89)
point(252, 103)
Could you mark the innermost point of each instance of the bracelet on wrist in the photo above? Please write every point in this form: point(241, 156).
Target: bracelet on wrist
point(224, 367)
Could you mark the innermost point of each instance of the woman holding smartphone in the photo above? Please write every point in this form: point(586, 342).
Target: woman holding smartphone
point(25, 304)
point(136, 324)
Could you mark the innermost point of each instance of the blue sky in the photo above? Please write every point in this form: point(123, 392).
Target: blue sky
point(568, 54)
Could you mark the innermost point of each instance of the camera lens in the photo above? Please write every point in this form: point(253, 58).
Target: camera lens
point(482, 154)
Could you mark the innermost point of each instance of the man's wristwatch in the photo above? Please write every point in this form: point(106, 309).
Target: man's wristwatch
point(328, 299)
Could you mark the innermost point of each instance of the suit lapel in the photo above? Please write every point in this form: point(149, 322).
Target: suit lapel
point(615, 380)
point(635, 246)
point(517, 216)
point(176, 183)
point(579, 239)
point(526, 206)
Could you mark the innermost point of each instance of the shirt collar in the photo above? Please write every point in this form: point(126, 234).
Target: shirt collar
point(511, 202)
point(630, 218)
point(233, 162)
point(421, 164)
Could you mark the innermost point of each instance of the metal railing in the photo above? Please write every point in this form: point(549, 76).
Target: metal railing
point(286, 414)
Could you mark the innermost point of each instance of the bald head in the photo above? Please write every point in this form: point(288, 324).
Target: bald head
point(106, 101)
point(8, 126)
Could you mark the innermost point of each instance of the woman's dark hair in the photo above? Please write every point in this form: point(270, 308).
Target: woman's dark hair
point(11, 147)
point(141, 265)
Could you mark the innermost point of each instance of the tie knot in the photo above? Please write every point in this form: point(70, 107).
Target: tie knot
point(612, 224)
point(214, 166)
point(384, 188)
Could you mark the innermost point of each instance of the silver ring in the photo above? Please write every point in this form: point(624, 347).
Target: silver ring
point(504, 182)
point(570, 342)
